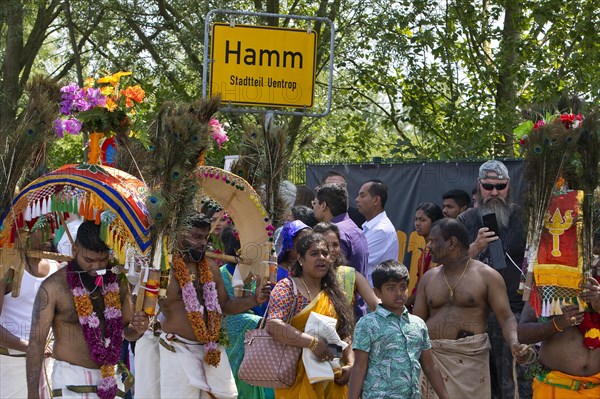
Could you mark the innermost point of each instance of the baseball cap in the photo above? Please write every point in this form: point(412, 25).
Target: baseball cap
point(493, 166)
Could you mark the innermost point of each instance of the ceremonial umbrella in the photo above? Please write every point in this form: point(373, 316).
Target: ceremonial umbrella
point(242, 203)
point(111, 197)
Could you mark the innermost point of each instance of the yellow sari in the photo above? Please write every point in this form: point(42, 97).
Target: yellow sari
point(302, 388)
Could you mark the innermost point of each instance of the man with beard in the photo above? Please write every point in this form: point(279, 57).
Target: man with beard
point(493, 196)
point(90, 313)
point(192, 361)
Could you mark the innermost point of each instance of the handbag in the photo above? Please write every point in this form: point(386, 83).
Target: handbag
point(269, 363)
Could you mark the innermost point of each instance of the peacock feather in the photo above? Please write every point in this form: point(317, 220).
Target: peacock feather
point(24, 142)
point(547, 147)
point(588, 158)
point(181, 136)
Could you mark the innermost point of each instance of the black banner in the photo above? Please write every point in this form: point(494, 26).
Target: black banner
point(410, 184)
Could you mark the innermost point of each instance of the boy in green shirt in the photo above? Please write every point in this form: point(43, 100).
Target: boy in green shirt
point(390, 345)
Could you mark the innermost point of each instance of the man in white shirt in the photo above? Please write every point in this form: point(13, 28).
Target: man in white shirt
point(379, 231)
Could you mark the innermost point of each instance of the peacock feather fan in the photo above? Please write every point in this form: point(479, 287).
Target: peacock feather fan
point(181, 136)
point(547, 148)
point(264, 161)
point(588, 158)
point(23, 147)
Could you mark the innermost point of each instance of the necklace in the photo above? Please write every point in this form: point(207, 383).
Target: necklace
point(85, 288)
point(460, 278)
point(104, 346)
point(207, 334)
point(307, 290)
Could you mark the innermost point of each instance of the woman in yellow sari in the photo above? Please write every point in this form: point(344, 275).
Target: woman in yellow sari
point(319, 292)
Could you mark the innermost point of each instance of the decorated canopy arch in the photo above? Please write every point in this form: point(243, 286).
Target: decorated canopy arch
point(243, 205)
point(111, 197)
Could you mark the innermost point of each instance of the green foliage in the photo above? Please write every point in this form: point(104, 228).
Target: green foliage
point(413, 79)
point(66, 151)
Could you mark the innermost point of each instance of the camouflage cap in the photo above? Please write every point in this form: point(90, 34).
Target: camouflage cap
point(493, 170)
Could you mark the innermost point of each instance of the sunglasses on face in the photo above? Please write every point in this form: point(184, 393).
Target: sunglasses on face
point(490, 186)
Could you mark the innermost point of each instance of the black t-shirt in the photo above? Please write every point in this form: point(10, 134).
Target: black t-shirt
point(513, 241)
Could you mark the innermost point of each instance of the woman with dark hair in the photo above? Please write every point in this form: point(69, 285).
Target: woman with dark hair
point(351, 280)
point(425, 215)
point(285, 246)
point(318, 291)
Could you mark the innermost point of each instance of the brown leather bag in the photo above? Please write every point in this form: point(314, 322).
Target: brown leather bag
point(267, 362)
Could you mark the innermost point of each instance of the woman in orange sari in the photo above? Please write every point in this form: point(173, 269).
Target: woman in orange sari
point(318, 291)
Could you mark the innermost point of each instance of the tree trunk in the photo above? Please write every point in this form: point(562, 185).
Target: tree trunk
point(10, 78)
point(506, 93)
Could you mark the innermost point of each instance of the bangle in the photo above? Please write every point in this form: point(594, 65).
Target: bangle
point(313, 344)
point(556, 325)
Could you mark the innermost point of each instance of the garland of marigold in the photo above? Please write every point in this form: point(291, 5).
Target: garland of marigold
point(104, 347)
point(209, 335)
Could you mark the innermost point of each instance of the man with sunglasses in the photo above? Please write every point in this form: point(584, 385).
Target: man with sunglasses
point(494, 196)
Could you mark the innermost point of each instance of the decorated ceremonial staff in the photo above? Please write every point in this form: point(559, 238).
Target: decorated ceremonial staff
point(561, 223)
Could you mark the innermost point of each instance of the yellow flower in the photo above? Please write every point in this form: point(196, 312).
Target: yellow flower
point(111, 105)
point(107, 370)
point(107, 90)
point(89, 82)
point(113, 79)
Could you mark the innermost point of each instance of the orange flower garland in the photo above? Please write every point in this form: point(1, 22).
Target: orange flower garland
point(104, 346)
point(208, 335)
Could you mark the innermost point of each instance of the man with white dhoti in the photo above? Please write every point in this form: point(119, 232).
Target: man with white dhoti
point(455, 299)
point(89, 313)
point(15, 321)
point(193, 363)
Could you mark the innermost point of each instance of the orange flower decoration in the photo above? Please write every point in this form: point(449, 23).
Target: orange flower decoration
point(133, 94)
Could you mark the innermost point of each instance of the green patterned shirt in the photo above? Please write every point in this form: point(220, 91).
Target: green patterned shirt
point(394, 344)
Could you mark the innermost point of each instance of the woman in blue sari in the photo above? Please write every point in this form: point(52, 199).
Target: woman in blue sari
point(237, 325)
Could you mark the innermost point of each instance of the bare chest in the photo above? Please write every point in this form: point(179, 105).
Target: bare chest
point(466, 292)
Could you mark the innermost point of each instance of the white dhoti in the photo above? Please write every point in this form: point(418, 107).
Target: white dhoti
point(464, 366)
point(184, 373)
point(68, 378)
point(13, 376)
point(147, 367)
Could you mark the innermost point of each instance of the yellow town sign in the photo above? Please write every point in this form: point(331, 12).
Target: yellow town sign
point(263, 65)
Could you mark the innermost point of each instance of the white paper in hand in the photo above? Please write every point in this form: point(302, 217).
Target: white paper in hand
point(322, 327)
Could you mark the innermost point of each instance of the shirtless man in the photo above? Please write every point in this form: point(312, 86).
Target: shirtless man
point(455, 299)
point(15, 318)
point(572, 370)
point(75, 371)
point(184, 372)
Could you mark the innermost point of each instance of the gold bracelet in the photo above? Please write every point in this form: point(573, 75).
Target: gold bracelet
point(313, 344)
point(556, 325)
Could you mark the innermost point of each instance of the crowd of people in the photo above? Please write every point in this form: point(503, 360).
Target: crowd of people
point(464, 332)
